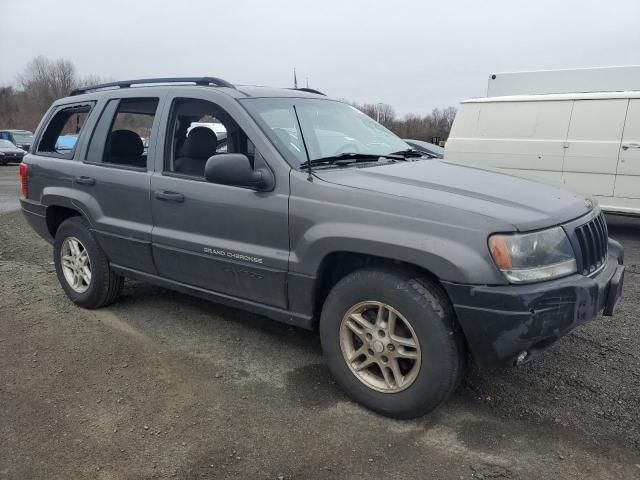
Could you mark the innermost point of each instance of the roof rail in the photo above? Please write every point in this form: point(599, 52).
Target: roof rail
point(309, 90)
point(217, 82)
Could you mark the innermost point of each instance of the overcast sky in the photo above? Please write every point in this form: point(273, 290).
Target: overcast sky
point(414, 55)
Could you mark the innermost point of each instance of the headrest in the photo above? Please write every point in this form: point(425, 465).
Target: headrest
point(200, 143)
point(125, 143)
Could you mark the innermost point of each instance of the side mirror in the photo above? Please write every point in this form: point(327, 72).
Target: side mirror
point(235, 169)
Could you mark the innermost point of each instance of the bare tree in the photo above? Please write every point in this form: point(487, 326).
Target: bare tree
point(45, 80)
point(449, 115)
point(40, 83)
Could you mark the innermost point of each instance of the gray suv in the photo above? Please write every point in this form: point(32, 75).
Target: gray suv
point(313, 214)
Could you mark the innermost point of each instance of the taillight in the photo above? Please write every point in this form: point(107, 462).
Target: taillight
point(23, 171)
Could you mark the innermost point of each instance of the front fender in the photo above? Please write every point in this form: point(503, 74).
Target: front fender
point(446, 258)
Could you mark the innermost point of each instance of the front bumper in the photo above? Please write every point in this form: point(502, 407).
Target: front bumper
point(502, 322)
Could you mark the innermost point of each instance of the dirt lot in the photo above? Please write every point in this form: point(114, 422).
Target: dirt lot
point(161, 385)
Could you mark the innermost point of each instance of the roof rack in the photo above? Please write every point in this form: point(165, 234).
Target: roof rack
point(217, 82)
point(309, 90)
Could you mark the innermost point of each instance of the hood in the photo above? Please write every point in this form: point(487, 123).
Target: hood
point(11, 150)
point(524, 204)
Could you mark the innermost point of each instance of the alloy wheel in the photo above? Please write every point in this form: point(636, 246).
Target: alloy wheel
point(76, 265)
point(380, 346)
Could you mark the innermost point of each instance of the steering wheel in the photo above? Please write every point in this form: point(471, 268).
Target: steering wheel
point(378, 144)
point(347, 148)
point(285, 137)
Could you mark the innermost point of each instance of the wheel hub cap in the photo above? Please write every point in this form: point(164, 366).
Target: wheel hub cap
point(76, 266)
point(380, 346)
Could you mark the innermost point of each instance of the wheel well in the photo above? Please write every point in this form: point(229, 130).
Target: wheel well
point(337, 265)
point(56, 215)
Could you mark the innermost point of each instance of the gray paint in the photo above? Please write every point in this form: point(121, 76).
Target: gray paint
point(427, 213)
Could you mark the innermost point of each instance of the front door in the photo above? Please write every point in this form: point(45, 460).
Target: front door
point(220, 238)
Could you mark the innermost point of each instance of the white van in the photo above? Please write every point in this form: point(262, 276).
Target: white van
point(588, 142)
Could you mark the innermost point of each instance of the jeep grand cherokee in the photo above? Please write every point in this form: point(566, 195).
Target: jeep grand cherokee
point(315, 215)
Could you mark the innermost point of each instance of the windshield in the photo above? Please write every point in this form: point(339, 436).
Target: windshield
point(23, 138)
point(329, 128)
point(6, 144)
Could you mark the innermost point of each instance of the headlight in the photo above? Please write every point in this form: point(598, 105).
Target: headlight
point(532, 257)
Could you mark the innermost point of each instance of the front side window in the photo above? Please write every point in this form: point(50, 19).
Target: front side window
point(121, 136)
point(60, 135)
point(323, 128)
point(198, 130)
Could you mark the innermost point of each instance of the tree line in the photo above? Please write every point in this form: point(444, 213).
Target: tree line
point(435, 125)
point(44, 80)
point(40, 83)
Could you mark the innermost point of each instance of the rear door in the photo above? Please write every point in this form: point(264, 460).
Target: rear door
point(52, 170)
point(114, 179)
point(221, 238)
point(592, 146)
point(628, 177)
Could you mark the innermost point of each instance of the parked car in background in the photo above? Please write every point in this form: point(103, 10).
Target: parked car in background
point(587, 142)
point(66, 142)
point(317, 216)
point(10, 153)
point(20, 138)
point(430, 149)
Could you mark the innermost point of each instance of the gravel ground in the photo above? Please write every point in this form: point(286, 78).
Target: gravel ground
point(162, 385)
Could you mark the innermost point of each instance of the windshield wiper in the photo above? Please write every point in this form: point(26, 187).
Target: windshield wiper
point(409, 152)
point(349, 158)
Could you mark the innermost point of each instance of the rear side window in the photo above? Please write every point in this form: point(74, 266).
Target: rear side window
point(63, 130)
point(122, 134)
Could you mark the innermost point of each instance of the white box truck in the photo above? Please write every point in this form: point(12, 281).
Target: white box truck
point(577, 128)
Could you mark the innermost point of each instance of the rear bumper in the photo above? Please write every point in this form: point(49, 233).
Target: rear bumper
point(36, 216)
point(501, 322)
point(11, 158)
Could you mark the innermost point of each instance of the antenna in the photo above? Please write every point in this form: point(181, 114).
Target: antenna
point(310, 171)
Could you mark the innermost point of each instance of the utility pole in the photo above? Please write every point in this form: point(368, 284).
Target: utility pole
point(295, 79)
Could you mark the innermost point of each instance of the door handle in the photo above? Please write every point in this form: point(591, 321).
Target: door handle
point(85, 180)
point(627, 146)
point(169, 196)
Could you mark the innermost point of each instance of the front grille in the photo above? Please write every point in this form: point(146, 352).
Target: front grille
point(593, 238)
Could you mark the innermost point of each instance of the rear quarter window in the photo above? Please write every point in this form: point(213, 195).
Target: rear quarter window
point(59, 138)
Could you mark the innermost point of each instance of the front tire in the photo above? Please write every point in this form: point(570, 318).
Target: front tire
point(82, 267)
point(391, 341)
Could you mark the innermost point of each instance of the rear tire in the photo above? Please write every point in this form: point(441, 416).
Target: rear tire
point(415, 361)
point(75, 249)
